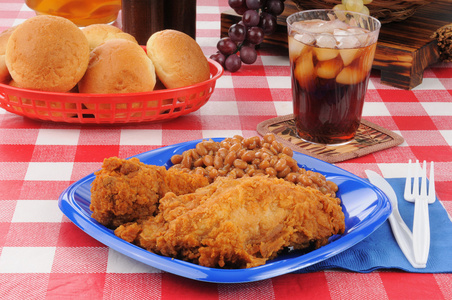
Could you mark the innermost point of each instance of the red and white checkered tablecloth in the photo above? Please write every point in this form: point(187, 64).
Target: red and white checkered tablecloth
point(43, 255)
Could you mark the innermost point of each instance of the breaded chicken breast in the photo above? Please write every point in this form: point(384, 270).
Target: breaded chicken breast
point(238, 223)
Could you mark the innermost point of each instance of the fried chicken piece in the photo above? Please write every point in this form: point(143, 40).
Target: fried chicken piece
point(238, 223)
point(129, 190)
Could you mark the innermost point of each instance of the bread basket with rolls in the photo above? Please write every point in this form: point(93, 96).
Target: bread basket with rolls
point(100, 75)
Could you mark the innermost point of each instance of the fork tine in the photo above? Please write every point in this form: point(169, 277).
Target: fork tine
point(431, 185)
point(424, 179)
point(408, 195)
point(416, 180)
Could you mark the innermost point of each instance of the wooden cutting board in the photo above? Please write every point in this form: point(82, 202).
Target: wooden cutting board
point(404, 50)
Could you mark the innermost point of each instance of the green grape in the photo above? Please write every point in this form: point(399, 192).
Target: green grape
point(344, 2)
point(354, 5)
point(340, 7)
point(365, 11)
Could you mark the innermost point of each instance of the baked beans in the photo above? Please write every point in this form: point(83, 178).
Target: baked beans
point(237, 157)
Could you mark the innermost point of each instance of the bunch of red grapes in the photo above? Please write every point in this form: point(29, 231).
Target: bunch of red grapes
point(258, 20)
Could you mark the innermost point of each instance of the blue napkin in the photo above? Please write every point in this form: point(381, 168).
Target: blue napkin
point(381, 251)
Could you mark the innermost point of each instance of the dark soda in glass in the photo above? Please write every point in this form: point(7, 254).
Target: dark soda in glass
point(331, 62)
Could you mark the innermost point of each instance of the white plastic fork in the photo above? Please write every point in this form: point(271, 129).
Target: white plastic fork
point(410, 193)
point(421, 222)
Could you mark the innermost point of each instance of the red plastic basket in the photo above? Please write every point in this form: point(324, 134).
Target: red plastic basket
point(157, 105)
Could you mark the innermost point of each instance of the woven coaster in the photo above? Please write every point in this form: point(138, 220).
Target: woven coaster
point(369, 138)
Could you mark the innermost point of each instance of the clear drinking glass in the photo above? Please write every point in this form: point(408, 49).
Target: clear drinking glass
point(331, 54)
point(81, 12)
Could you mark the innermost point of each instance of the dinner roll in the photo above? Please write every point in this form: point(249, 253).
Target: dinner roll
point(47, 53)
point(4, 73)
point(4, 37)
point(96, 34)
point(118, 66)
point(178, 59)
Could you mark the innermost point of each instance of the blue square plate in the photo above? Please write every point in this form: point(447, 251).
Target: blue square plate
point(365, 208)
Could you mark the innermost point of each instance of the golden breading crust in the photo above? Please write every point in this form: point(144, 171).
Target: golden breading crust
point(129, 190)
point(238, 223)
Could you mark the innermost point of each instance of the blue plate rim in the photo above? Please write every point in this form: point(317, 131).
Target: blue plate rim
point(381, 211)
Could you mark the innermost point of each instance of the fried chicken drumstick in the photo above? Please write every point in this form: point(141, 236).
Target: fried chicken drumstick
point(238, 223)
point(129, 190)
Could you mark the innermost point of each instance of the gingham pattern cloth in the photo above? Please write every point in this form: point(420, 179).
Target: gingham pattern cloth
point(43, 255)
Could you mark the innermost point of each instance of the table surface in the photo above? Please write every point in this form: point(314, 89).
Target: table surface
point(44, 255)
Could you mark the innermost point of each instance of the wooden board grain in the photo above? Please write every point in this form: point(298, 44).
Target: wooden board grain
point(404, 50)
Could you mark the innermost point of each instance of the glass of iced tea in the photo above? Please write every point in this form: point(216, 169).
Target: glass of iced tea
point(331, 54)
point(81, 12)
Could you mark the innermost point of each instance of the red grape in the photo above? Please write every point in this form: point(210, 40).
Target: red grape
point(268, 23)
point(248, 55)
point(218, 57)
point(226, 46)
point(237, 33)
point(250, 18)
point(241, 10)
point(275, 7)
point(255, 35)
point(254, 4)
point(233, 63)
point(236, 3)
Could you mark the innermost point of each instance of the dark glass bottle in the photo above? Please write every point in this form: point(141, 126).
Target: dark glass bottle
point(182, 16)
point(141, 18)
